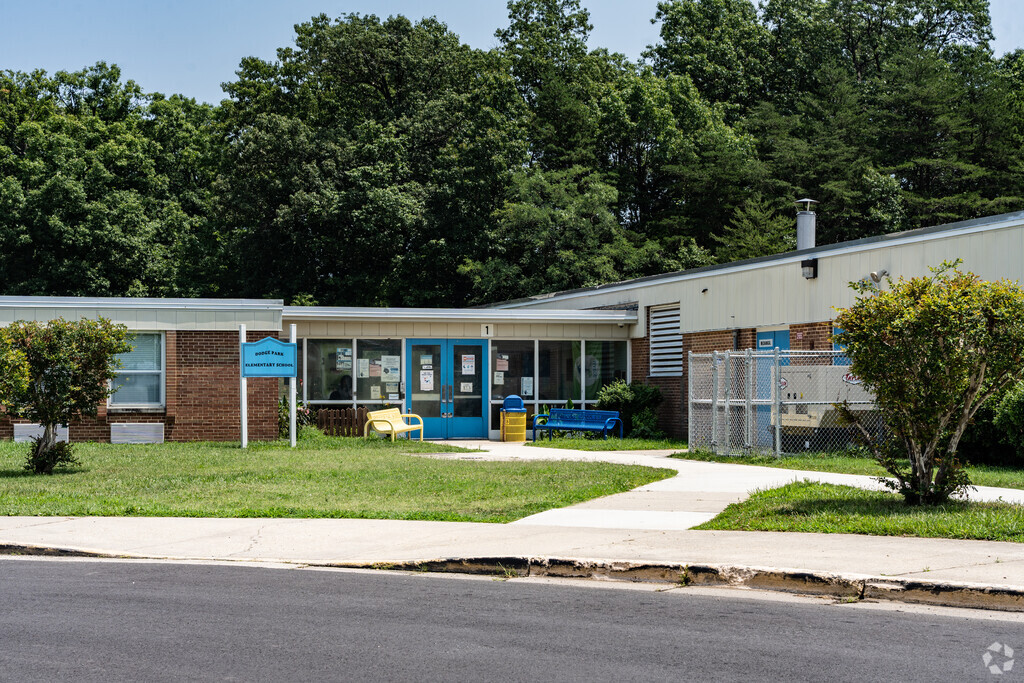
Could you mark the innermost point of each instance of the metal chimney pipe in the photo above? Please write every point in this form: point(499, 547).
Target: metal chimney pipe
point(805, 225)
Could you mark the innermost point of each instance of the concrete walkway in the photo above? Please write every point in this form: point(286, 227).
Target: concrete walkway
point(648, 526)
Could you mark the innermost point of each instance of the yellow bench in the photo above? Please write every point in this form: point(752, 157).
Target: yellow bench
point(390, 422)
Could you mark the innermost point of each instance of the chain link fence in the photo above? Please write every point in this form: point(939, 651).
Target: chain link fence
point(759, 402)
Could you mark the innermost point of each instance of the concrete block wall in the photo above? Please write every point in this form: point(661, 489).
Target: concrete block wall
point(202, 399)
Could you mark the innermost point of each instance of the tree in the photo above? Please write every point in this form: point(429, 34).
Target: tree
point(69, 366)
point(719, 44)
point(756, 229)
point(933, 350)
point(556, 231)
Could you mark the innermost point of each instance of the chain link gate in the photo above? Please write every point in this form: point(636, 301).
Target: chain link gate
point(757, 402)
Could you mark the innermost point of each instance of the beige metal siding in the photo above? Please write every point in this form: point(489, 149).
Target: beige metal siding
point(777, 293)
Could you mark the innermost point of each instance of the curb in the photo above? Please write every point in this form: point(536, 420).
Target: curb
point(848, 587)
point(839, 586)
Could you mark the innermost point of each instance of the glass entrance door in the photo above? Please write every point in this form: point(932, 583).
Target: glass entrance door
point(448, 386)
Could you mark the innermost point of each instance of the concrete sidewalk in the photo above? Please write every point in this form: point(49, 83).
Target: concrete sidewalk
point(642, 534)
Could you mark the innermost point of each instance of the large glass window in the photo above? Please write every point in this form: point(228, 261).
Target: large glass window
point(140, 380)
point(512, 370)
point(559, 370)
point(329, 370)
point(379, 370)
point(605, 362)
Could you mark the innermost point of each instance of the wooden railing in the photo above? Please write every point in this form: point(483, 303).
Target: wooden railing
point(342, 421)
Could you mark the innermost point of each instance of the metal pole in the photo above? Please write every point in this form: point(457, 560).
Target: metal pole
point(243, 388)
point(689, 398)
point(291, 394)
point(748, 391)
point(777, 388)
point(714, 402)
point(728, 402)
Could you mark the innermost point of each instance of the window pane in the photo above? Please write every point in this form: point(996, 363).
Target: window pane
point(145, 353)
point(136, 389)
point(379, 370)
point(426, 380)
point(559, 370)
point(512, 369)
point(329, 369)
point(605, 363)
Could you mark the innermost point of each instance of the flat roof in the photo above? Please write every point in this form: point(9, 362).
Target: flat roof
point(138, 302)
point(481, 315)
point(997, 222)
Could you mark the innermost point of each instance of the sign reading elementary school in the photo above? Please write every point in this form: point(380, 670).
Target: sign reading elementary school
point(455, 366)
point(269, 357)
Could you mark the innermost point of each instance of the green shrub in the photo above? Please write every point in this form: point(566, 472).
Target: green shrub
point(304, 415)
point(636, 403)
point(43, 460)
point(1009, 420)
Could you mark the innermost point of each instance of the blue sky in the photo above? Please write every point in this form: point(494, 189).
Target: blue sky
point(191, 47)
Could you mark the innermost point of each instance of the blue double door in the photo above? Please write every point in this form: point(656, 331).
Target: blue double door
point(767, 342)
point(448, 386)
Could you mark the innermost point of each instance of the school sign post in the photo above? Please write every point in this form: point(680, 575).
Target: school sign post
point(268, 357)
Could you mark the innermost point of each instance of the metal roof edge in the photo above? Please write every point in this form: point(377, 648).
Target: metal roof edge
point(131, 302)
point(996, 222)
point(482, 315)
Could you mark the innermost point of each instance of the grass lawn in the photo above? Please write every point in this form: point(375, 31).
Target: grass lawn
point(981, 475)
point(585, 443)
point(827, 508)
point(323, 477)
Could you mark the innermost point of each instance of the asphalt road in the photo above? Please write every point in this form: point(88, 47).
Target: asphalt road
point(120, 621)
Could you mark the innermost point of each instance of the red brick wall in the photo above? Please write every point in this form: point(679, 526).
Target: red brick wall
point(811, 337)
point(201, 395)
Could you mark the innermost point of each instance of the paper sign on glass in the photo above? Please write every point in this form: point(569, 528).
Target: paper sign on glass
point(499, 378)
point(426, 360)
point(374, 368)
point(501, 364)
point(391, 387)
point(392, 367)
point(468, 364)
point(527, 386)
point(392, 397)
point(375, 392)
point(466, 387)
point(363, 368)
point(426, 380)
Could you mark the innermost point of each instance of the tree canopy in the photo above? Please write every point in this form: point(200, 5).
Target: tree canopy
point(381, 161)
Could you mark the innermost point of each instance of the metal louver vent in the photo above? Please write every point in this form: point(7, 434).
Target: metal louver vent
point(666, 342)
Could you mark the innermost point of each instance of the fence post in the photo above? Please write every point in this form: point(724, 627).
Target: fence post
point(728, 402)
point(689, 398)
point(777, 388)
point(714, 402)
point(748, 392)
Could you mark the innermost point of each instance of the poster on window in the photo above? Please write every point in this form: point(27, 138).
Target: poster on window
point(468, 364)
point(392, 368)
point(501, 364)
point(363, 368)
point(499, 378)
point(374, 392)
point(426, 380)
point(527, 386)
point(466, 387)
point(426, 360)
point(374, 368)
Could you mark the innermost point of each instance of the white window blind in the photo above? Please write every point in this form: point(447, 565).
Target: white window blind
point(140, 379)
point(666, 342)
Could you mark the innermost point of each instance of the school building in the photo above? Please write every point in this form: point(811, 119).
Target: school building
point(453, 367)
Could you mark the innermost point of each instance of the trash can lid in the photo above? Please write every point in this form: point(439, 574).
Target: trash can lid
point(513, 404)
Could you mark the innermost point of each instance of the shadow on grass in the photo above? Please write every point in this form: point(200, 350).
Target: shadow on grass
point(874, 505)
point(14, 474)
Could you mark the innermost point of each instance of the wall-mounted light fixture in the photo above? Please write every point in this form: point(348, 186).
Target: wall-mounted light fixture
point(704, 291)
point(809, 268)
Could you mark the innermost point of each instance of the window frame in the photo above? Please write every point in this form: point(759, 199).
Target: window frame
point(162, 372)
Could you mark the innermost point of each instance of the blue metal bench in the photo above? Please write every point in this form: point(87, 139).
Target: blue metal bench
point(578, 420)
